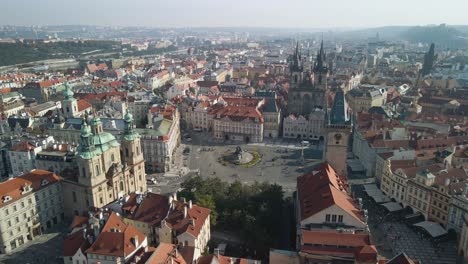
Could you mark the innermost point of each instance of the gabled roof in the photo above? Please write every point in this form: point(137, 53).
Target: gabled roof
point(83, 105)
point(116, 238)
point(323, 188)
point(402, 258)
point(192, 224)
point(166, 254)
point(152, 209)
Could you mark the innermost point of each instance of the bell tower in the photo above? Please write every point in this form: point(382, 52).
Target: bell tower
point(296, 67)
point(132, 154)
point(321, 69)
point(69, 104)
point(338, 130)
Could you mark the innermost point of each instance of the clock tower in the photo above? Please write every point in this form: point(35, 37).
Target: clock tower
point(338, 131)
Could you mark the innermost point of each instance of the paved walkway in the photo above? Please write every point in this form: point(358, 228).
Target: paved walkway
point(392, 236)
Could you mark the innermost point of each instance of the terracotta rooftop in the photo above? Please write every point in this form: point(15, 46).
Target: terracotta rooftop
point(166, 254)
point(323, 188)
point(22, 146)
point(12, 190)
point(194, 221)
point(152, 209)
point(116, 238)
point(334, 238)
point(83, 105)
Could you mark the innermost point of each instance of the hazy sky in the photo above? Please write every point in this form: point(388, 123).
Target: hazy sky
point(254, 13)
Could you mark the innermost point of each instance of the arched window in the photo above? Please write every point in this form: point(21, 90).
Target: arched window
point(112, 157)
point(83, 172)
point(126, 152)
point(121, 186)
point(97, 170)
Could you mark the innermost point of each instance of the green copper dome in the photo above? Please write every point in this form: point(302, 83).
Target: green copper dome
point(85, 129)
point(128, 117)
point(68, 93)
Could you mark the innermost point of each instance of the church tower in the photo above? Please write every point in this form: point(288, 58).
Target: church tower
point(296, 67)
point(69, 104)
point(132, 154)
point(321, 69)
point(338, 131)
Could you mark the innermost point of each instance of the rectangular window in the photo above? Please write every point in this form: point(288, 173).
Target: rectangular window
point(327, 218)
point(74, 196)
point(340, 219)
point(333, 218)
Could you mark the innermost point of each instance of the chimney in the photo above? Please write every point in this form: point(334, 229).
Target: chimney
point(185, 211)
point(135, 241)
point(190, 204)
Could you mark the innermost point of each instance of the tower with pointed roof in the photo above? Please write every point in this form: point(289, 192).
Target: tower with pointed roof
point(132, 154)
point(69, 104)
point(321, 69)
point(338, 129)
point(296, 67)
point(305, 94)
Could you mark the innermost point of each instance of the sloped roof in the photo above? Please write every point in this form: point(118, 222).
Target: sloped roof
point(37, 179)
point(116, 238)
point(323, 188)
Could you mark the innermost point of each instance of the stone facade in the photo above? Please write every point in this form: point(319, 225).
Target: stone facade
point(103, 173)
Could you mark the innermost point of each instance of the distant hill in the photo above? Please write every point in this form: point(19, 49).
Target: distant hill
point(443, 36)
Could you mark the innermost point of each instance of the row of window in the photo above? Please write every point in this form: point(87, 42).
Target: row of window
point(334, 218)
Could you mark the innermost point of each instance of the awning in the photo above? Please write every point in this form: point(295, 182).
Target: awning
point(392, 206)
point(432, 228)
point(355, 165)
point(378, 196)
point(370, 187)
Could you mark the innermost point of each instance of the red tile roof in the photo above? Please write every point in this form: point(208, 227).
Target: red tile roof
point(73, 242)
point(83, 105)
point(22, 146)
point(237, 113)
point(152, 210)
point(335, 238)
point(116, 238)
point(323, 188)
point(220, 260)
point(176, 220)
point(166, 254)
point(36, 179)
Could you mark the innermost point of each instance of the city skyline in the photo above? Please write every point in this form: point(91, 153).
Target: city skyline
point(206, 13)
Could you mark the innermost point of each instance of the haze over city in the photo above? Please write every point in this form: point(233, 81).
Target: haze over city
point(234, 132)
point(241, 13)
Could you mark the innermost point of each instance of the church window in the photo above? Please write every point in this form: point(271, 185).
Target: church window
point(83, 172)
point(295, 78)
point(121, 186)
point(68, 109)
point(97, 170)
point(74, 196)
point(112, 157)
point(138, 150)
point(126, 152)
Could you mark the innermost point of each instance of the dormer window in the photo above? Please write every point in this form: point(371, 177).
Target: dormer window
point(44, 182)
point(26, 188)
point(7, 198)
